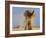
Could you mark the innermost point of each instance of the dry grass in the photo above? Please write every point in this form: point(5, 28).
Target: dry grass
point(18, 28)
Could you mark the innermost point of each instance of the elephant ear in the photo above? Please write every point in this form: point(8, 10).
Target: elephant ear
point(26, 13)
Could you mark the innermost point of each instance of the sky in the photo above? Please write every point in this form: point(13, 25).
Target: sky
point(18, 15)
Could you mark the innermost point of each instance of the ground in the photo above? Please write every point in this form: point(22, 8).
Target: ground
point(18, 28)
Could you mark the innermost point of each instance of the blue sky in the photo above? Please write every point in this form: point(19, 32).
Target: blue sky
point(18, 15)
